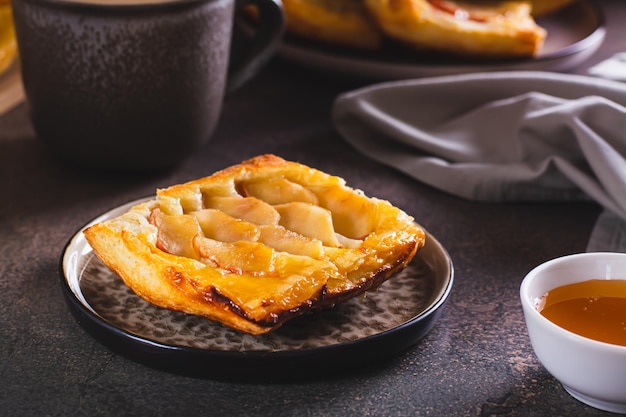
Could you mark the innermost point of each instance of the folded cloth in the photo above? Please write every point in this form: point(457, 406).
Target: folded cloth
point(499, 136)
point(613, 68)
point(609, 233)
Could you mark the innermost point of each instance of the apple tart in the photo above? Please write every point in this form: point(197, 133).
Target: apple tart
point(468, 28)
point(8, 44)
point(479, 28)
point(257, 244)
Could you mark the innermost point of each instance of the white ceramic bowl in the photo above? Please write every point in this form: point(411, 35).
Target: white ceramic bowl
point(591, 371)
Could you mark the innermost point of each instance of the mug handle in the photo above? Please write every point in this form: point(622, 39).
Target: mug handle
point(267, 37)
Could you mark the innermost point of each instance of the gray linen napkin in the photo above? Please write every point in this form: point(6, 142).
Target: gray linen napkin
point(613, 68)
point(501, 136)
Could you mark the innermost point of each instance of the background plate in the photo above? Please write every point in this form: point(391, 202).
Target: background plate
point(574, 34)
point(380, 324)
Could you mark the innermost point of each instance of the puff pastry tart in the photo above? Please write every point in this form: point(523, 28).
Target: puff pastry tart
point(257, 244)
point(335, 22)
point(8, 44)
point(486, 29)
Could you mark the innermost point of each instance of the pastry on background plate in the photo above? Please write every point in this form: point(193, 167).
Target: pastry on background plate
point(8, 44)
point(478, 29)
point(257, 244)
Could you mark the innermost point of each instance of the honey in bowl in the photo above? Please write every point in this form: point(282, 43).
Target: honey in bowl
point(595, 309)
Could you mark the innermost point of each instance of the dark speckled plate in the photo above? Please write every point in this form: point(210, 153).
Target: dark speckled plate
point(381, 323)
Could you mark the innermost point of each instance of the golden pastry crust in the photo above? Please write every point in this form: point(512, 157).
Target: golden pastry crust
point(476, 29)
point(335, 22)
point(8, 44)
point(256, 244)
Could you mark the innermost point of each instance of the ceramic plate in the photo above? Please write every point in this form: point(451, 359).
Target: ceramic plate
point(573, 35)
point(402, 311)
point(11, 91)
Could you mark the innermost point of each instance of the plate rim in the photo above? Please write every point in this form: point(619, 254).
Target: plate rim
point(594, 38)
point(121, 339)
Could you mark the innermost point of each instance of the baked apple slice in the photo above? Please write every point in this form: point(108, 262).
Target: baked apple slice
point(257, 244)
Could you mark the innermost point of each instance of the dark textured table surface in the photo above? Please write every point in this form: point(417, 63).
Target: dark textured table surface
point(476, 361)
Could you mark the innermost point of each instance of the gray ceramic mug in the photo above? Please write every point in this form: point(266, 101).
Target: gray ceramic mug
point(134, 84)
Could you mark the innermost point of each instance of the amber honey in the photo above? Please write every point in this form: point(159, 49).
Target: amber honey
point(595, 309)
